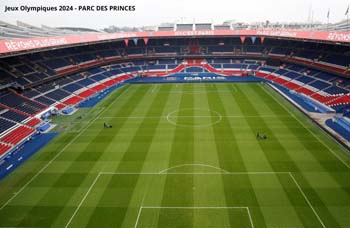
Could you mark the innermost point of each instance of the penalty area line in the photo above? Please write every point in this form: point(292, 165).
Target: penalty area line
point(194, 208)
point(82, 201)
point(207, 207)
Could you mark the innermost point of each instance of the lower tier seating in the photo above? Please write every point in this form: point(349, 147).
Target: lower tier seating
point(73, 100)
point(33, 122)
point(4, 148)
point(71, 90)
point(341, 126)
point(17, 135)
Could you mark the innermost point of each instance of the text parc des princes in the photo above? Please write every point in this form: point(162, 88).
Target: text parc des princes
point(106, 8)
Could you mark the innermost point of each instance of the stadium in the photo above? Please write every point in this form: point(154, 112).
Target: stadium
point(189, 125)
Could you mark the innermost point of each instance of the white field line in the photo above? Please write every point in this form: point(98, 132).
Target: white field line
point(189, 85)
point(82, 201)
point(47, 165)
point(84, 122)
point(193, 208)
point(151, 207)
point(197, 92)
point(307, 200)
point(197, 165)
point(140, 209)
point(142, 203)
point(59, 153)
point(316, 136)
point(138, 217)
point(217, 173)
point(193, 173)
point(154, 88)
point(250, 217)
point(177, 116)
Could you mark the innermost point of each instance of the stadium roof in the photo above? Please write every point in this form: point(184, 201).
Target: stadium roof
point(24, 30)
point(23, 37)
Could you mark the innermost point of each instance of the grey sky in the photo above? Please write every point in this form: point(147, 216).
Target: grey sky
point(153, 12)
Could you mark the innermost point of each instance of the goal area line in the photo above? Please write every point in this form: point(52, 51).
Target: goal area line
point(195, 208)
point(289, 174)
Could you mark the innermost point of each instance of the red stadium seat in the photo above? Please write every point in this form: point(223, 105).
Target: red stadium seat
point(87, 93)
point(17, 135)
point(33, 122)
point(73, 100)
point(60, 106)
point(4, 148)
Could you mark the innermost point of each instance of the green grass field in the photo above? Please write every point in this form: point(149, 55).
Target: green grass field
point(184, 155)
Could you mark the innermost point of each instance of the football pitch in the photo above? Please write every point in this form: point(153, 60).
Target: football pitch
point(184, 155)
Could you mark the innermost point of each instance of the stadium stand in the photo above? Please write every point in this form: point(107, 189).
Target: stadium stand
point(17, 135)
point(35, 82)
point(341, 125)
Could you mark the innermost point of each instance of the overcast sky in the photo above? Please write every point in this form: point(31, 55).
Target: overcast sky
point(153, 12)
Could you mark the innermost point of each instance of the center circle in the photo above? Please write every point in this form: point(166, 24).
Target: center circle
point(194, 117)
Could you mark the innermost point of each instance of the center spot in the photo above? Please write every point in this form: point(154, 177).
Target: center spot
point(192, 117)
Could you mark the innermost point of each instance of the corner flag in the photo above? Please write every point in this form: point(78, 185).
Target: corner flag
point(347, 11)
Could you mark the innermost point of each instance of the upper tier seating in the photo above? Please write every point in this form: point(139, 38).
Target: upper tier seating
point(320, 85)
point(296, 68)
point(14, 116)
point(20, 103)
point(86, 82)
point(57, 94)
point(98, 77)
point(305, 79)
point(292, 75)
point(5, 125)
point(34, 70)
point(326, 76)
point(45, 100)
point(72, 87)
point(335, 90)
point(57, 63)
point(337, 59)
point(31, 93)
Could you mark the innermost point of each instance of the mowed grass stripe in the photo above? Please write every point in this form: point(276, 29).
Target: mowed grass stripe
point(178, 190)
point(208, 190)
point(90, 157)
point(50, 200)
point(135, 155)
point(24, 202)
point(331, 170)
point(158, 158)
point(328, 165)
point(150, 187)
point(290, 217)
point(321, 153)
point(230, 159)
point(100, 143)
point(298, 116)
point(31, 167)
point(44, 208)
point(268, 195)
point(301, 207)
